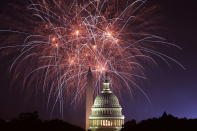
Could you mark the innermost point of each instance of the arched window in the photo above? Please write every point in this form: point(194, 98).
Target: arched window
point(103, 122)
point(108, 123)
point(92, 122)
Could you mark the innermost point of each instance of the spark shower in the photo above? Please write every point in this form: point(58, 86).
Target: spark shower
point(107, 36)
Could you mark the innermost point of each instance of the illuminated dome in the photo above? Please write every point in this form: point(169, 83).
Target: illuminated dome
point(106, 111)
point(106, 100)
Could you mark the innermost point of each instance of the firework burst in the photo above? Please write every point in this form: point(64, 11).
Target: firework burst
point(73, 36)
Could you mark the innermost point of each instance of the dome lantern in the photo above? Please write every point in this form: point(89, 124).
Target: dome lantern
point(106, 85)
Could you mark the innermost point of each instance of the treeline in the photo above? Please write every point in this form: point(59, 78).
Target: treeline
point(32, 122)
point(166, 122)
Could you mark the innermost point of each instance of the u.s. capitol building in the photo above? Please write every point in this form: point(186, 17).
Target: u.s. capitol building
point(106, 111)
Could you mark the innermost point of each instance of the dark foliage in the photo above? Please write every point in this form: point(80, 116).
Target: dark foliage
point(31, 122)
point(166, 122)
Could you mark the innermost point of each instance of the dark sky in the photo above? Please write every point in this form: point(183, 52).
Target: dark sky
point(173, 89)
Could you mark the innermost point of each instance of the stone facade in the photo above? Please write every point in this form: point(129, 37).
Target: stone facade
point(106, 111)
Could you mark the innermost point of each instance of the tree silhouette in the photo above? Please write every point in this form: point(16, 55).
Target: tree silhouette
point(166, 122)
point(31, 122)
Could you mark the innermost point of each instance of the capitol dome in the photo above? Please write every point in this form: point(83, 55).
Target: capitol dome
point(106, 100)
point(106, 111)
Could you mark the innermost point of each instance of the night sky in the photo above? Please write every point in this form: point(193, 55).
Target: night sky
point(170, 89)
